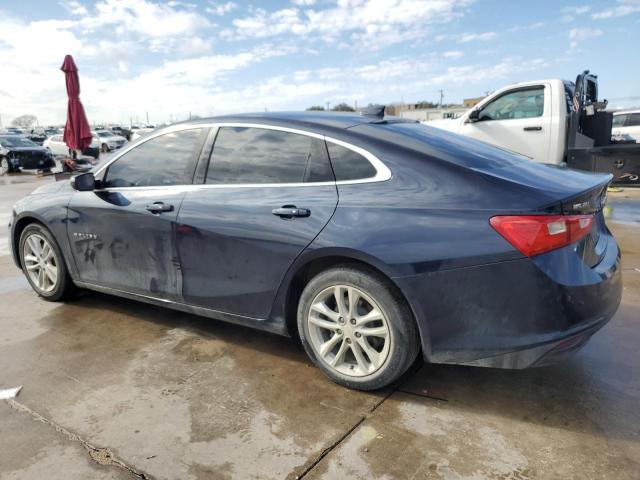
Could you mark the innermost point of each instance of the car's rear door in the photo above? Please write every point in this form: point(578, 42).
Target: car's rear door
point(123, 234)
point(266, 195)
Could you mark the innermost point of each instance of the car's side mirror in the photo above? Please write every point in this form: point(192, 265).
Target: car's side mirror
point(474, 115)
point(85, 182)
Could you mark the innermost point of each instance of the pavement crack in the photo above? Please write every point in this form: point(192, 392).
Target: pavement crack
point(344, 436)
point(100, 455)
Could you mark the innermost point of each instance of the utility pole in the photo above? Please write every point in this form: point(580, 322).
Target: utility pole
point(441, 97)
point(356, 103)
point(328, 103)
point(189, 114)
point(147, 117)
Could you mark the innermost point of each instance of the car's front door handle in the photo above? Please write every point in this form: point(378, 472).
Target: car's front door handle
point(290, 211)
point(532, 129)
point(159, 207)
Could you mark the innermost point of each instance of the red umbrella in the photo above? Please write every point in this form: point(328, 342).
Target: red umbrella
point(77, 132)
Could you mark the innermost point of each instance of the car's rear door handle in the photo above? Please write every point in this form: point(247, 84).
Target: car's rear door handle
point(159, 207)
point(290, 211)
point(532, 129)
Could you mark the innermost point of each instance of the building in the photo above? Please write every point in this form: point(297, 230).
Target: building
point(429, 114)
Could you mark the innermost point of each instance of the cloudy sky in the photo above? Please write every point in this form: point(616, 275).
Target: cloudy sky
point(211, 57)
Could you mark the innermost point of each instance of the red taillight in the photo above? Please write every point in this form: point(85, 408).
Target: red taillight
point(536, 234)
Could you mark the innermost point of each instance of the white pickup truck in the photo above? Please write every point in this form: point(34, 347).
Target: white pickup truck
point(552, 121)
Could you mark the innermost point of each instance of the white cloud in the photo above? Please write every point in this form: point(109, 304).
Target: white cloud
point(582, 34)
point(623, 8)
point(370, 20)
point(472, 37)
point(474, 74)
point(303, 2)
point(220, 9)
point(453, 54)
point(145, 18)
point(74, 7)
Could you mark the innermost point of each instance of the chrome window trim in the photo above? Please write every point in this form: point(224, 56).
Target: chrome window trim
point(382, 171)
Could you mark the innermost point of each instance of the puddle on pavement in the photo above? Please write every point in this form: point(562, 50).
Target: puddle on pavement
point(10, 284)
point(625, 211)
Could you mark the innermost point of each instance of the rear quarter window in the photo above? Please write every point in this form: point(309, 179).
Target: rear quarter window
point(349, 165)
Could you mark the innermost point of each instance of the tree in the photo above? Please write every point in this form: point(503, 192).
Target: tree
point(343, 107)
point(24, 121)
point(315, 108)
point(426, 104)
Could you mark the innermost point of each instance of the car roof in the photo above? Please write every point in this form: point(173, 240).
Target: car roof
point(309, 120)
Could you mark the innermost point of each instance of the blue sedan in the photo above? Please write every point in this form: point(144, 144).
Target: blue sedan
point(378, 242)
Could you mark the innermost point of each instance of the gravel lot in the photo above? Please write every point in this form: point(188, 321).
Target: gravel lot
point(116, 389)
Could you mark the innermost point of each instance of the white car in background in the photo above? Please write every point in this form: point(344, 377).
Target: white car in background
point(109, 140)
point(55, 144)
point(626, 125)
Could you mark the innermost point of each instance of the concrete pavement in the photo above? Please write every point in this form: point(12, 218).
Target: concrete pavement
point(119, 389)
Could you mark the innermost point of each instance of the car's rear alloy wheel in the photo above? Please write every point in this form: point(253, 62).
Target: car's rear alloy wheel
point(348, 330)
point(105, 148)
point(43, 264)
point(356, 328)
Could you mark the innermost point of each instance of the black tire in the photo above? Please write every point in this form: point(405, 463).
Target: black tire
point(5, 166)
point(65, 286)
point(105, 148)
point(404, 336)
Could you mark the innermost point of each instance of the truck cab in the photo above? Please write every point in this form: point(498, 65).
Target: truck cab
point(551, 121)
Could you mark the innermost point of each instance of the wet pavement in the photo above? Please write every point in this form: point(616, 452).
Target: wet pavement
point(118, 389)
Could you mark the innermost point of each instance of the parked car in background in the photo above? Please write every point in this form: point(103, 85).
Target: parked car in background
point(14, 130)
point(626, 125)
point(57, 147)
point(373, 239)
point(18, 152)
point(37, 135)
point(123, 132)
point(109, 140)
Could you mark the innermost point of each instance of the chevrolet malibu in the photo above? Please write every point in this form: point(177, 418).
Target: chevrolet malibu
point(374, 240)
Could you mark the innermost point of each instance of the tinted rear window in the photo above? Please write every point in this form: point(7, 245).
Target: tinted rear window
point(258, 155)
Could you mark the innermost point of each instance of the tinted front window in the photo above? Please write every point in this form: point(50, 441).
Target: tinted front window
point(527, 103)
point(349, 165)
point(16, 141)
point(618, 120)
point(259, 155)
point(169, 159)
point(633, 120)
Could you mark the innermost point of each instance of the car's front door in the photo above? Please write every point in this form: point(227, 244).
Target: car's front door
point(123, 233)
point(518, 120)
point(267, 195)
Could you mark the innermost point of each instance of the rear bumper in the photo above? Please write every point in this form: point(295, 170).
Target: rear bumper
point(515, 314)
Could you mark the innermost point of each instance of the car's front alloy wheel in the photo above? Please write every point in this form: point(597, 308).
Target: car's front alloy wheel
point(43, 264)
point(356, 328)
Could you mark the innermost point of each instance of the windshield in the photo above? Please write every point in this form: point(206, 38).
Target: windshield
point(105, 133)
point(16, 141)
